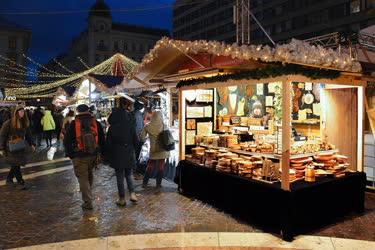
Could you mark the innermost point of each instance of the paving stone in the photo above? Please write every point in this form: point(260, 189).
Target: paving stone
point(50, 211)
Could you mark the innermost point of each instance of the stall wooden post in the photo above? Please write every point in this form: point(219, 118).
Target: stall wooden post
point(286, 133)
point(181, 126)
point(361, 133)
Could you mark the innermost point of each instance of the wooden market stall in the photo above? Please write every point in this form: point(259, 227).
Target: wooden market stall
point(273, 135)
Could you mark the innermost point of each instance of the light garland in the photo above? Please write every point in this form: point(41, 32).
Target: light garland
point(63, 67)
point(83, 63)
point(103, 68)
point(295, 52)
point(41, 66)
point(25, 74)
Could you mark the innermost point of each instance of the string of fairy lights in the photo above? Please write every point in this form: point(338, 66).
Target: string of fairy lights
point(49, 89)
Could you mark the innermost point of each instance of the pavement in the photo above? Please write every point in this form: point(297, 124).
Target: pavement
point(50, 211)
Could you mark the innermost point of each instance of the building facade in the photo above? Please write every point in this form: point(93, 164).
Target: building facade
point(282, 19)
point(103, 38)
point(14, 41)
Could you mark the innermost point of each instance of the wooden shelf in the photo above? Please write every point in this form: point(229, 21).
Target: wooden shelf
point(270, 155)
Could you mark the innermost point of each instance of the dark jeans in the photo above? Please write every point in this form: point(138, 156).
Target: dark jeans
point(15, 171)
point(120, 175)
point(159, 164)
point(48, 136)
point(38, 138)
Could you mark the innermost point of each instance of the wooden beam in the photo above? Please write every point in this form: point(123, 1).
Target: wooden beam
point(361, 129)
point(181, 118)
point(286, 133)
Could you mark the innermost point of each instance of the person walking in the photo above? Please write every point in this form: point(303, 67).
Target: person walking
point(66, 123)
point(48, 126)
point(37, 128)
point(121, 144)
point(139, 125)
point(58, 118)
point(16, 144)
point(158, 155)
point(84, 141)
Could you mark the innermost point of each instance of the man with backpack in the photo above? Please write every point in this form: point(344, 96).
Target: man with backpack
point(84, 141)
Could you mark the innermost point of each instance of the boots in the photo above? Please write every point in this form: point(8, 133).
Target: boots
point(133, 197)
point(145, 179)
point(121, 202)
point(159, 178)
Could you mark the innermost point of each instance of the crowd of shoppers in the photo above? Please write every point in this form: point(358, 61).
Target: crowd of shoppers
point(86, 144)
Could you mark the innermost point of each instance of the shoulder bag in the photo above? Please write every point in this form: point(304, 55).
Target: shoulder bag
point(167, 139)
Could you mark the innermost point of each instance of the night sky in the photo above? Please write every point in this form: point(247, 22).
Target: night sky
point(52, 33)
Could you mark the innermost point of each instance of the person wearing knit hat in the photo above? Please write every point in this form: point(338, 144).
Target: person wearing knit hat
point(16, 128)
point(83, 108)
point(84, 142)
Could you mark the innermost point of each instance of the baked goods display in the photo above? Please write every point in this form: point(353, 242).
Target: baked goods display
point(310, 146)
point(322, 164)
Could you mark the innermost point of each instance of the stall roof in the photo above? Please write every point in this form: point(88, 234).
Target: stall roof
point(173, 57)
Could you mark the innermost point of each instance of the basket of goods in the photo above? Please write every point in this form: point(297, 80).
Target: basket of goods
point(223, 150)
point(252, 147)
point(331, 164)
point(226, 119)
point(211, 153)
point(236, 120)
point(197, 150)
point(244, 121)
point(231, 140)
point(245, 168)
point(300, 164)
point(264, 148)
point(223, 165)
point(244, 145)
point(222, 141)
point(236, 146)
point(234, 164)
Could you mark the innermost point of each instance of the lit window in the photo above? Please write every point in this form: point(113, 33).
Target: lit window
point(12, 43)
point(355, 6)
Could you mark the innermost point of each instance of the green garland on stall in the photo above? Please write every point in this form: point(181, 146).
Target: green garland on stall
point(273, 70)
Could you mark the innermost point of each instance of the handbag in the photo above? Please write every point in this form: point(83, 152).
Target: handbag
point(167, 139)
point(16, 145)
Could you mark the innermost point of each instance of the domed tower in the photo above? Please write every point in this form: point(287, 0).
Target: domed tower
point(100, 18)
point(99, 31)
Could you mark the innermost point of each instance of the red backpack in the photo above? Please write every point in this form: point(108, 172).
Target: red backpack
point(87, 135)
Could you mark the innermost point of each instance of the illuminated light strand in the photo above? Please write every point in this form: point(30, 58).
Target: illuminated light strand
point(2, 65)
point(41, 66)
point(13, 62)
point(103, 68)
point(23, 80)
point(63, 67)
point(83, 63)
point(29, 75)
point(296, 51)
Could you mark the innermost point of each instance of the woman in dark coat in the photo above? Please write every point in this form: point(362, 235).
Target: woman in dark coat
point(121, 143)
point(18, 127)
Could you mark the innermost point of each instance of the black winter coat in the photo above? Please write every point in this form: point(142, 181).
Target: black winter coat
point(35, 122)
point(6, 134)
point(122, 140)
point(70, 141)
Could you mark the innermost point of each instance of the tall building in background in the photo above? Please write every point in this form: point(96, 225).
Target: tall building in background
point(103, 38)
point(14, 41)
point(282, 19)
